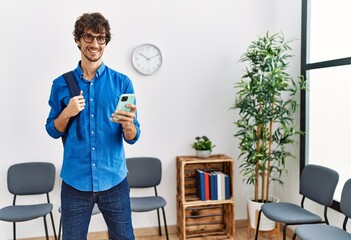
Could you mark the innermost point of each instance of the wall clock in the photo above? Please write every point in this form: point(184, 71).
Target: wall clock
point(147, 59)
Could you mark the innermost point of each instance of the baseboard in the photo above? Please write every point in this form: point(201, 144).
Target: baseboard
point(241, 223)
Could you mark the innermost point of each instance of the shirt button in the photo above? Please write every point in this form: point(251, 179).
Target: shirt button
point(93, 164)
point(92, 132)
point(92, 115)
point(93, 149)
point(91, 99)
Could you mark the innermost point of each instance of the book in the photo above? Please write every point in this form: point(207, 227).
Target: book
point(227, 186)
point(219, 185)
point(200, 184)
point(207, 186)
point(213, 186)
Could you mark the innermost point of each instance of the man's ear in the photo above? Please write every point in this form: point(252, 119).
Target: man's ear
point(78, 43)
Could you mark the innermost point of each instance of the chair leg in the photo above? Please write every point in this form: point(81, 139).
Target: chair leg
point(14, 230)
point(59, 231)
point(53, 225)
point(278, 233)
point(164, 219)
point(46, 228)
point(284, 231)
point(159, 223)
point(258, 224)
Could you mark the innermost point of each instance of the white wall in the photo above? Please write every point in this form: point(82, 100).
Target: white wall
point(201, 41)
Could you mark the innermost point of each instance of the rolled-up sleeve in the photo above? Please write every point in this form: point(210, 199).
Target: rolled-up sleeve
point(130, 89)
point(55, 111)
point(137, 127)
point(51, 130)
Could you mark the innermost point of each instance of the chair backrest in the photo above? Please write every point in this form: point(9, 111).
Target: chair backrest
point(345, 202)
point(144, 172)
point(318, 183)
point(31, 178)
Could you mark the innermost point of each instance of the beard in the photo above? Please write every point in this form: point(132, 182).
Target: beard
point(92, 57)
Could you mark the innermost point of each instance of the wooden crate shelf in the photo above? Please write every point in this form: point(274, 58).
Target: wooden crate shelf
point(210, 219)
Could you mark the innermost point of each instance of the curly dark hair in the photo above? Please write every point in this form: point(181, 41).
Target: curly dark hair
point(94, 22)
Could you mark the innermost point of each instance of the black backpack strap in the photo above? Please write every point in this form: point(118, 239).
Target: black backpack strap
point(74, 90)
point(72, 83)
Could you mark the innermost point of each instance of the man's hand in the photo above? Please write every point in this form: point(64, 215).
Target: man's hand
point(75, 105)
point(123, 117)
point(127, 121)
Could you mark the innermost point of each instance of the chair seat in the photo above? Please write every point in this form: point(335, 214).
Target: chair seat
point(144, 204)
point(21, 213)
point(293, 214)
point(321, 232)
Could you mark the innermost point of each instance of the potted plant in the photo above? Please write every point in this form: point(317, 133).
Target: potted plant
point(266, 100)
point(203, 146)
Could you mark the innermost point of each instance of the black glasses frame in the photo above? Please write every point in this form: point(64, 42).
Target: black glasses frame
point(88, 38)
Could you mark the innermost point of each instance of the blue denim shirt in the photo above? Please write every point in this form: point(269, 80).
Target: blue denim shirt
point(96, 162)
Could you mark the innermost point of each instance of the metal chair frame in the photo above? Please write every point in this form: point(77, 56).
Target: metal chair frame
point(135, 179)
point(308, 188)
point(21, 180)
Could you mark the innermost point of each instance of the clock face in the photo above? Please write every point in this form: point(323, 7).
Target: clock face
point(147, 59)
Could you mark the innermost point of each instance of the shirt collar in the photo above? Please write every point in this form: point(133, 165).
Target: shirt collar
point(98, 73)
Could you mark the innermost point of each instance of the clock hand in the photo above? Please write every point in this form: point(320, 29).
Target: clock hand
point(154, 56)
point(144, 56)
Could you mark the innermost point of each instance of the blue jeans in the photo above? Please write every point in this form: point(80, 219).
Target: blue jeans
point(114, 204)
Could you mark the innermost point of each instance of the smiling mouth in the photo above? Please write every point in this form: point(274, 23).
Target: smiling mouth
point(94, 50)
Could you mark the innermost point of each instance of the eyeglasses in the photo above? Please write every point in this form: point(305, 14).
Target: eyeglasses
point(88, 38)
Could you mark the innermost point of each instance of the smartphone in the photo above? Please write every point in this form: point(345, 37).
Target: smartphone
point(125, 99)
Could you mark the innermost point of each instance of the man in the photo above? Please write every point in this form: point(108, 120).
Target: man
point(94, 166)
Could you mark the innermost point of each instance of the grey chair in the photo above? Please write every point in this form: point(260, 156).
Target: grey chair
point(318, 184)
point(94, 212)
point(29, 178)
point(146, 172)
point(327, 232)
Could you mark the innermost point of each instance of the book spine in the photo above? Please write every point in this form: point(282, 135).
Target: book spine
point(207, 186)
point(200, 184)
point(227, 186)
point(219, 185)
point(213, 186)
